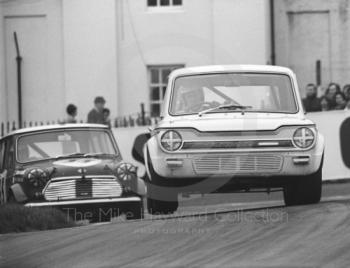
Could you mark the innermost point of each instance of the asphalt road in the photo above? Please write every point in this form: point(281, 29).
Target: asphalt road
point(241, 230)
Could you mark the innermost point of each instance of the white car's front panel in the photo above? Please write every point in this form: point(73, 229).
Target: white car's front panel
point(235, 162)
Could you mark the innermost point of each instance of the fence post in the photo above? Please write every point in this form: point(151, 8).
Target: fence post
point(318, 73)
point(143, 114)
point(2, 129)
point(125, 122)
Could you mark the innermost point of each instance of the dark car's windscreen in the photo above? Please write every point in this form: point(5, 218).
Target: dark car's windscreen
point(46, 145)
point(261, 92)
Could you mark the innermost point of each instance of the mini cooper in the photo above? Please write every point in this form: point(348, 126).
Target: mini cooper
point(228, 129)
point(77, 168)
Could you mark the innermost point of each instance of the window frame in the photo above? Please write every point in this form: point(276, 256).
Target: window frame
point(295, 97)
point(169, 7)
point(108, 132)
point(9, 160)
point(160, 85)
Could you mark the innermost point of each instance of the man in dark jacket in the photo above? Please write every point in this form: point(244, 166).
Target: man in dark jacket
point(95, 116)
point(311, 102)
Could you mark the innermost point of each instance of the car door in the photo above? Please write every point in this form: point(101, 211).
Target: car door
point(3, 173)
point(8, 166)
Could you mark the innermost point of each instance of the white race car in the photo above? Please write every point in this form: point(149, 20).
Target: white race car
point(228, 129)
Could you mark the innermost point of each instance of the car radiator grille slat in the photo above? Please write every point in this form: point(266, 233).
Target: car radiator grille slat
point(90, 187)
point(237, 164)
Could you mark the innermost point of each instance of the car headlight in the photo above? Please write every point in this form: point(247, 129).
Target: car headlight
point(303, 137)
point(126, 172)
point(37, 177)
point(171, 140)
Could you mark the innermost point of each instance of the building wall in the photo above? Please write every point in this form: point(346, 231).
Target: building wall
point(307, 31)
point(3, 112)
point(202, 32)
point(90, 53)
point(38, 26)
point(83, 48)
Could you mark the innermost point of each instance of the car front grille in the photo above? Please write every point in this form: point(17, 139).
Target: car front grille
point(261, 144)
point(237, 164)
point(68, 189)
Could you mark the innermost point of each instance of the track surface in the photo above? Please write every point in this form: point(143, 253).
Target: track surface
point(241, 230)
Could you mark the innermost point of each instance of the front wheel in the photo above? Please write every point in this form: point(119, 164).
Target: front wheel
point(161, 198)
point(304, 191)
point(157, 207)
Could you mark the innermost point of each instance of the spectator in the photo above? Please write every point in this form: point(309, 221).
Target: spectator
point(311, 102)
point(72, 112)
point(347, 106)
point(332, 89)
point(106, 119)
point(95, 116)
point(324, 104)
point(339, 101)
point(346, 91)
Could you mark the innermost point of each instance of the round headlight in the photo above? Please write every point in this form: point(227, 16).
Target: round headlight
point(303, 137)
point(171, 140)
point(37, 177)
point(126, 172)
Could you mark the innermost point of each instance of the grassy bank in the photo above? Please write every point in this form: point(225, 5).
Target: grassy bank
point(17, 218)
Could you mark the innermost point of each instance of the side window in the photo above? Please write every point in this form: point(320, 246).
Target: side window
point(10, 155)
point(2, 153)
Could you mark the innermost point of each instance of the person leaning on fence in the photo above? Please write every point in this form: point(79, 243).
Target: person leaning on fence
point(332, 89)
point(72, 112)
point(346, 91)
point(324, 104)
point(311, 102)
point(106, 119)
point(95, 116)
point(340, 101)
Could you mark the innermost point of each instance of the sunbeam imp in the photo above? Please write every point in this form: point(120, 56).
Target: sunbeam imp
point(231, 128)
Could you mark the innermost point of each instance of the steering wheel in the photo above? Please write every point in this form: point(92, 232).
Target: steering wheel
point(204, 106)
point(210, 104)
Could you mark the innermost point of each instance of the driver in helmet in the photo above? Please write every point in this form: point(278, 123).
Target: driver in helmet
point(193, 99)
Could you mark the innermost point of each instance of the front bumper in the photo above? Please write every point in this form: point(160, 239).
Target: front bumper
point(73, 203)
point(248, 163)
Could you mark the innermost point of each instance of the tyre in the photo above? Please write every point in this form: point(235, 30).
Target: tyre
point(304, 190)
point(158, 207)
point(165, 202)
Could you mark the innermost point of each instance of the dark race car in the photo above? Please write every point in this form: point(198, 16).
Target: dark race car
point(77, 168)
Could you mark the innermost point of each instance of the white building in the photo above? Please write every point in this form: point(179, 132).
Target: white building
point(74, 50)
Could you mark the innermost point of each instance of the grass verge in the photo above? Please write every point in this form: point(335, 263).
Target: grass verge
point(18, 218)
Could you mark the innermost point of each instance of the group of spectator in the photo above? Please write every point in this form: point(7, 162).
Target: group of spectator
point(334, 98)
point(98, 115)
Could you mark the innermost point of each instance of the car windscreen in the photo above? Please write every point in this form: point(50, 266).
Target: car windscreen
point(46, 145)
point(256, 92)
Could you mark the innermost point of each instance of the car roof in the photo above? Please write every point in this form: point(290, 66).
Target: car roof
point(230, 68)
point(54, 127)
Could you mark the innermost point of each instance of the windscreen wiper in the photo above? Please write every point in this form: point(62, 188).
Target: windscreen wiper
point(100, 155)
point(70, 155)
point(225, 106)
